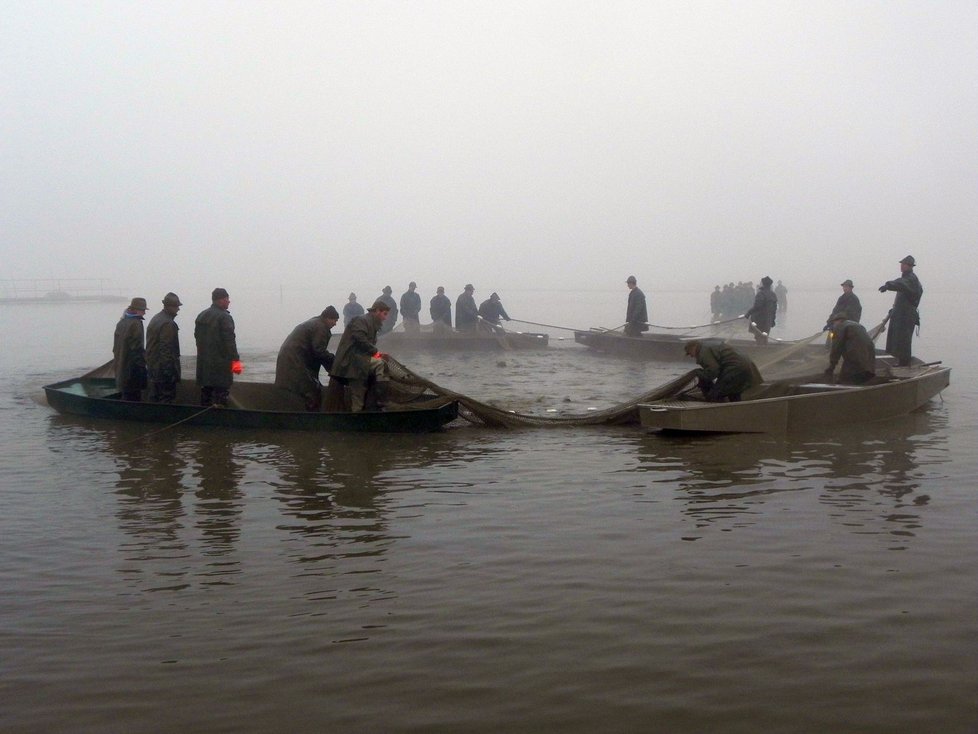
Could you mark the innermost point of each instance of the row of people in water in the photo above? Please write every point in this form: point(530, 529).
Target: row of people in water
point(732, 300)
point(467, 313)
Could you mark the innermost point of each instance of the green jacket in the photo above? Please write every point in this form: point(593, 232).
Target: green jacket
point(216, 347)
point(357, 345)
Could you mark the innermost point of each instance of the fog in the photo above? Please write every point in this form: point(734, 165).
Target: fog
point(516, 145)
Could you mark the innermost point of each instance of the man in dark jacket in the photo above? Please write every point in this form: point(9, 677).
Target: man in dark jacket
point(636, 313)
point(301, 355)
point(351, 310)
point(441, 312)
point(357, 360)
point(491, 310)
point(724, 372)
point(854, 347)
point(411, 309)
point(466, 312)
point(129, 353)
point(848, 304)
point(763, 313)
point(163, 351)
point(388, 299)
point(217, 350)
point(904, 315)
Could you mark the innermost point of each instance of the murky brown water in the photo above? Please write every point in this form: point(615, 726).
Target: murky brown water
point(477, 580)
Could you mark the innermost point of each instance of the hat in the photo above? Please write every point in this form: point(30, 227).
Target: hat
point(379, 306)
point(848, 283)
point(469, 287)
point(171, 299)
point(631, 279)
point(330, 313)
point(138, 304)
point(494, 296)
point(766, 280)
point(441, 289)
point(908, 260)
point(218, 293)
point(412, 284)
point(692, 346)
point(352, 297)
point(839, 315)
point(387, 289)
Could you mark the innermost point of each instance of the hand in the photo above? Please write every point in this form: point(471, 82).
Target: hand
point(882, 289)
point(236, 367)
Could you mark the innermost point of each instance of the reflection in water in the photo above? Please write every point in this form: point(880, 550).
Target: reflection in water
point(868, 478)
point(219, 502)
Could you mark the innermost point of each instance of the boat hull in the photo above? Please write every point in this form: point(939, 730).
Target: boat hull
point(669, 347)
point(815, 405)
point(98, 398)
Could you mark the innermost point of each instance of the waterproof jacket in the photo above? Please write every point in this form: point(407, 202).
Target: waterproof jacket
point(129, 354)
point(216, 347)
point(351, 310)
point(410, 305)
point(903, 316)
point(730, 371)
point(636, 313)
point(163, 348)
point(853, 345)
point(357, 345)
point(466, 312)
point(301, 355)
point(441, 309)
point(765, 309)
point(492, 310)
point(848, 304)
point(392, 317)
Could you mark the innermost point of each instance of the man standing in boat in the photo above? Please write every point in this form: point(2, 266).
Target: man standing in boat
point(724, 373)
point(351, 310)
point(129, 353)
point(636, 314)
point(491, 310)
point(302, 354)
point(848, 304)
point(217, 351)
point(854, 347)
point(163, 351)
point(358, 363)
point(440, 309)
point(904, 316)
point(387, 298)
point(466, 312)
point(411, 309)
point(763, 313)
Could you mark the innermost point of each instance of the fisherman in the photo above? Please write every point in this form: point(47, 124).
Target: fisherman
point(636, 313)
point(217, 351)
point(129, 353)
point(351, 310)
point(440, 309)
point(491, 310)
point(466, 312)
point(411, 309)
point(781, 292)
point(853, 345)
point(301, 355)
point(724, 373)
point(904, 315)
point(358, 363)
point(848, 304)
point(763, 313)
point(716, 304)
point(163, 351)
point(387, 298)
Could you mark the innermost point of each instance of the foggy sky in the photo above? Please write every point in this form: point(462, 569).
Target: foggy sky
point(182, 145)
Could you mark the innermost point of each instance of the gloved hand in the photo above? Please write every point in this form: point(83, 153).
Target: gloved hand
point(236, 367)
point(882, 289)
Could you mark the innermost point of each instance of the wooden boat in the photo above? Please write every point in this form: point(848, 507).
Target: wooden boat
point(253, 405)
point(787, 406)
point(668, 347)
point(397, 342)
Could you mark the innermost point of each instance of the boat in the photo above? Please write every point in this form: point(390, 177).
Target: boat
point(666, 347)
point(457, 341)
point(253, 405)
point(797, 405)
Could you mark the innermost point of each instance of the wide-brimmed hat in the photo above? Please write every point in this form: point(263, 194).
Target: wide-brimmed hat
point(908, 260)
point(848, 283)
point(379, 306)
point(352, 297)
point(171, 299)
point(631, 279)
point(138, 304)
point(469, 287)
point(766, 280)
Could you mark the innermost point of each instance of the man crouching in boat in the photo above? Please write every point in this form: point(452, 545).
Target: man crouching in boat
point(853, 345)
point(357, 360)
point(724, 373)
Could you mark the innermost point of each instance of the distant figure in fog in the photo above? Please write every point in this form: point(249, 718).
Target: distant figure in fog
point(782, 295)
point(302, 354)
point(440, 309)
point(491, 310)
point(351, 310)
point(636, 312)
point(763, 313)
point(466, 312)
point(411, 309)
point(724, 373)
point(716, 304)
point(163, 351)
point(386, 297)
point(129, 352)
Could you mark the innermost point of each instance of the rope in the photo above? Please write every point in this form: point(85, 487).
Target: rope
point(166, 428)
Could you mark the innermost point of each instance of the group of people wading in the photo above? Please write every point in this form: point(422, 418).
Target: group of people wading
point(724, 373)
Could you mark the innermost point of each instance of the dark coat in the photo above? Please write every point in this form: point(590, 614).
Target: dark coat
point(441, 309)
point(848, 304)
point(163, 348)
point(357, 345)
point(351, 310)
point(636, 313)
point(129, 354)
point(729, 371)
point(903, 316)
point(392, 318)
point(216, 347)
point(855, 348)
point(492, 310)
point(466, 312)
point(410, 305)
point(765, 309)
point(301, 355)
